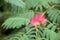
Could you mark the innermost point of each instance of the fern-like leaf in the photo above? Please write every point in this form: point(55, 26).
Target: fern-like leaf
point(18, 21)
point(18, 3)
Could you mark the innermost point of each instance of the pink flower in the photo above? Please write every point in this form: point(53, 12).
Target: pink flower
point(34, 21)
point(40, 17)
point(43, 22)
point(39, 20)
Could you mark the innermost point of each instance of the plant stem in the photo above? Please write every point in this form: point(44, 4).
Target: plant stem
point(50, 8)
point(36, 30)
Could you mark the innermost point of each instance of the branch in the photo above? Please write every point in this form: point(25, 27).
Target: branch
point(50, 8)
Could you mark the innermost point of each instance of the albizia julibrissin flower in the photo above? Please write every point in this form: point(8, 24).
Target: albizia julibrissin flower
point(39, 20)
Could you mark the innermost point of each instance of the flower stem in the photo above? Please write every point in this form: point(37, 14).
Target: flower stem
point(36, 31)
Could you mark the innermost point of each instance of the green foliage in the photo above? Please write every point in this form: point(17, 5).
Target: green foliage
point(22, 19)
point(53, 14)
point(16, 15)
point(19, 3)
point(51, 34)
point(39, 4)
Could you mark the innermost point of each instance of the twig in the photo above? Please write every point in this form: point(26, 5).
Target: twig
point(36, 30)
point(50, 8)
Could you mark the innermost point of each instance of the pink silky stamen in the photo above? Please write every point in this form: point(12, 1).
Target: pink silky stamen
point(40, 18)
